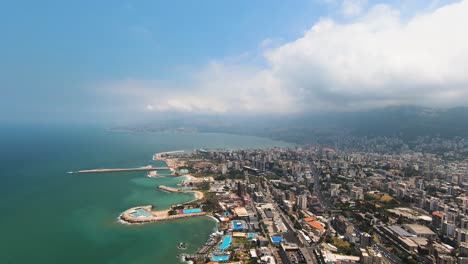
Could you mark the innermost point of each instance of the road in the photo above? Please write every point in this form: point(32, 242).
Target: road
point(291, 236)
point(388, 255)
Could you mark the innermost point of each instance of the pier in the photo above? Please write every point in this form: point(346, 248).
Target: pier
point(145, 168)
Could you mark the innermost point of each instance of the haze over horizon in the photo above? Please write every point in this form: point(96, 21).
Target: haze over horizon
point(248, 131)
point(136, 60)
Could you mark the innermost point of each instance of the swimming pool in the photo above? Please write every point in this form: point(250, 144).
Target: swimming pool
point(140, 212)
point(276, 239)
point(237, 225)
point(192, 210)
point(220, 258)
point(250, 235)
point(225, 243)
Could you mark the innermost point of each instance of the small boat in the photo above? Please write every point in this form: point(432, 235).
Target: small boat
point(181, 245)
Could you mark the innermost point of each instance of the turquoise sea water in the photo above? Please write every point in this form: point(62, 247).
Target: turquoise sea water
point(49, 216)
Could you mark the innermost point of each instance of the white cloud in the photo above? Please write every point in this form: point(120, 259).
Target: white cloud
point(351, 8)
point(377, 59)
point(265, 43)
point(218, 87)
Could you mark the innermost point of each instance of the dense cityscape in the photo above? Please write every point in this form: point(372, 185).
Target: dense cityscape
point(234, 132)
point(315, 204)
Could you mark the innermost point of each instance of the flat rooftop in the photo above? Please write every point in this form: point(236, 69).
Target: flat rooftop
point(419, 229)
point(400, 231)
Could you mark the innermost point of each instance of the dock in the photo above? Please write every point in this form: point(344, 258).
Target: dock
point(145, 168)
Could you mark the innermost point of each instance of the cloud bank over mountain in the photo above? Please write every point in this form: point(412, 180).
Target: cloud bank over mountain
point(374, 59)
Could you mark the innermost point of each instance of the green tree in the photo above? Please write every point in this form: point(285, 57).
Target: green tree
point(172, 212)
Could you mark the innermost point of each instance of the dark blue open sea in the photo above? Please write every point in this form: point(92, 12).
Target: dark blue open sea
point(49, 216)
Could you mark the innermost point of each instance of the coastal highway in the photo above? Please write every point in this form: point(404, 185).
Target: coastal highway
point(146, 168)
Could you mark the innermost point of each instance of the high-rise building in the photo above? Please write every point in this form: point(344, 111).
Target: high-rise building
point(463, 249)
point(301, 202)
point(437, 219)
point(370, 256)
point(223, 168)
point(365, 240)
point(461, 234)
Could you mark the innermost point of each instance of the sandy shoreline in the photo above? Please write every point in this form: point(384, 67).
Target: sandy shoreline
point(198, 194)
point(188, 178)
point(171, 163)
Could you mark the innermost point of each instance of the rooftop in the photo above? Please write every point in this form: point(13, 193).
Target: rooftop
point(241, 211)
point(400, 231)
point(437, 213)
point(419, 229)
point(316, 225)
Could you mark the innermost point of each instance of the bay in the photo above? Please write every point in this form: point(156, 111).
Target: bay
point(49, 216)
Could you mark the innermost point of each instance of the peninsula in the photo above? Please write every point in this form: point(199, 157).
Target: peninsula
point(145, 214)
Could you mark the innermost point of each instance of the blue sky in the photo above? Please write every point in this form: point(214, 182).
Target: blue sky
point(83, 60)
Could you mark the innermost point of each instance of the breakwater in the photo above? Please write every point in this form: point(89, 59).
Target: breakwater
point(145, 168)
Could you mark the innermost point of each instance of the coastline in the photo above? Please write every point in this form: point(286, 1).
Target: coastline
point(90, 204)
point(171, 163)
point(198, 194)
point(214, 218)
point(146, 214)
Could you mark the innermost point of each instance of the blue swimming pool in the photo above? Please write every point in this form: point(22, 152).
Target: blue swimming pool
point(250, 235)
point(192, 210)
point(237, 225)
point(276, 239)
point(225, 243)
point(220, 258)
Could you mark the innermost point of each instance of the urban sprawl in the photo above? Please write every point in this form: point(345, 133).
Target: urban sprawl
point(319, 205)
